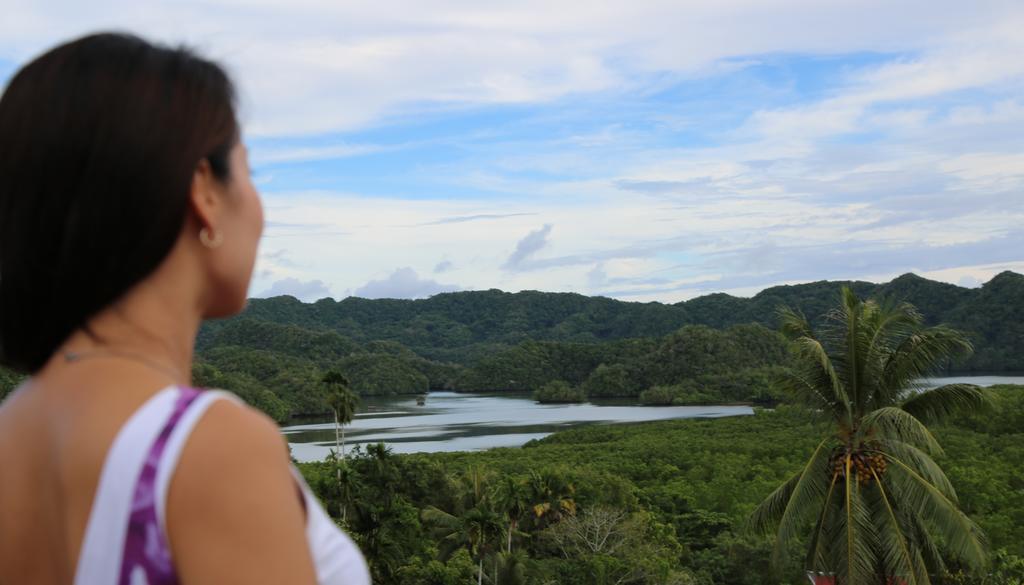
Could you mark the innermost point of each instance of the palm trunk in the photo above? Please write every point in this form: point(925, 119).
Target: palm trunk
point(337, 467)
point(480, 573)
point(511, 527)
point(337, 439)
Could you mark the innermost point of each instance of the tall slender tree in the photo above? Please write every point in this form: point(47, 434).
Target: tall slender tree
point(474, 524)
point(343, 402)
point(348, 485)
point(512, 498)
point(877, 507)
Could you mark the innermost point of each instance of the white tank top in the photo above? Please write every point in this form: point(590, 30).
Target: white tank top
point(127, 515)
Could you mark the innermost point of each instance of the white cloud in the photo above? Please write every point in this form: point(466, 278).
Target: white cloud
point(268, 155)
point(403, 283)
point(308, 290)
point(638, 217)
point(597, 277)
point(476, 217)
point(968, 281)
point(985, 58)
point(527, 247)
point(971, 275)
point(318, 65)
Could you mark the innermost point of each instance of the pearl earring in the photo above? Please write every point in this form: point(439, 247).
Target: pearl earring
point(211, 241)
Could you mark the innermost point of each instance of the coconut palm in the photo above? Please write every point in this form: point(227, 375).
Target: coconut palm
point(877, 506)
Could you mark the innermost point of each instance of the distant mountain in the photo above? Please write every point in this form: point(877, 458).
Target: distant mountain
point(463, 327)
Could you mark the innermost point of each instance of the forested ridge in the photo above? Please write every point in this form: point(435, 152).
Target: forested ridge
point(715, 348)
point(461, 327)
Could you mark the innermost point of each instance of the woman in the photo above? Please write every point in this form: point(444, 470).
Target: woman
point(127, 216)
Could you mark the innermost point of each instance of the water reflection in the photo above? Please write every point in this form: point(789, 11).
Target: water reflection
point(978, 380)
point(468, 422)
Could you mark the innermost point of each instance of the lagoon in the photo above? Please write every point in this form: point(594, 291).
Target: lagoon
point(450, 421)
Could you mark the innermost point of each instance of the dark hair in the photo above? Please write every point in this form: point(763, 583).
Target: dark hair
point(99, 140)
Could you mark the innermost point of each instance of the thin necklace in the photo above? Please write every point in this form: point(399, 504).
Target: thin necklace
point(76, 356)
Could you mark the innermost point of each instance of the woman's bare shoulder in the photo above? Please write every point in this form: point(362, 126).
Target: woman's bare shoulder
point(231, 425)
point(17, 415)
point(233, 510)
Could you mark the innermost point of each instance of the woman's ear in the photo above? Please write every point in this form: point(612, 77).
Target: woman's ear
point(205, 197)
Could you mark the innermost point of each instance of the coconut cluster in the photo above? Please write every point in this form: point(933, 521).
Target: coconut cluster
point(865, 464)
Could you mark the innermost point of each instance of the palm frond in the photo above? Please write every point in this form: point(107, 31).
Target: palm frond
point(858, 556)
point(814, 352)
point(888, 325)
point(853, 310)
point(447, 528)
point(817, 378)
point(890, 422)
point(921, 463)
point(809, 393)
point(920, 354)
point(939, 403)
point(792, 505)
point(959, 534)
point(439, 518)
point(766, 516)
point(900, 552)
point(793, 323)
point(926, 546)
point(850, 553)
point(815, 558)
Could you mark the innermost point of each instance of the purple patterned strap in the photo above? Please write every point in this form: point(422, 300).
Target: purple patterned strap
point(147, 557)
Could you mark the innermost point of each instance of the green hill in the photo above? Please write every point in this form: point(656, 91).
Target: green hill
point(714, 348)
point(462, 327)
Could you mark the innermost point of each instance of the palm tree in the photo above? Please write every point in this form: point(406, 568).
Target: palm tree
point(880, 506)
point(512, 568)
point(512, 497)
point(473, 523)
point(475, 529)
point(349, 484)
point(472, 487)
point(552, 495)
point(343, 402)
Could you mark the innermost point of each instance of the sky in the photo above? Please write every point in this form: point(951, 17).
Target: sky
point(640, 150)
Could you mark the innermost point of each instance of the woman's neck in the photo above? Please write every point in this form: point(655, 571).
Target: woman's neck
point(155, 323)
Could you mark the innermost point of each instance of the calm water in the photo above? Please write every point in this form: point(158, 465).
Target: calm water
point(469, 422)
point(979, 380)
